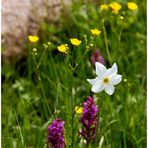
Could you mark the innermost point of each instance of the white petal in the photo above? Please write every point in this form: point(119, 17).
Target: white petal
point(100, 69)
point(93, 81)
point(112, 70)
point(110, 89)
point(115, 79)
point(97, 87)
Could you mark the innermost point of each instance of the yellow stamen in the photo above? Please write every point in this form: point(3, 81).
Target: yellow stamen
point(106, 80)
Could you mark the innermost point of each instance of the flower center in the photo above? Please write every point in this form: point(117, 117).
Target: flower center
point(106, 80)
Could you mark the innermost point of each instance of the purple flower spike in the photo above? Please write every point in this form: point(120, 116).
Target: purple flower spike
point(56, 134)
point(97, 57)
point(89, 120)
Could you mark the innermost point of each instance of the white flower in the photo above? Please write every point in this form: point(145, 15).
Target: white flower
point(106, 79)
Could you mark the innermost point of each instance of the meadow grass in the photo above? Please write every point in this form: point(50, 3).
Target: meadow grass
point(46, 86)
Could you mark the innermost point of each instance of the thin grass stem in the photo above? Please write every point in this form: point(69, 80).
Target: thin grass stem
point(106, 43)
point(41, 86)
point(21, 135)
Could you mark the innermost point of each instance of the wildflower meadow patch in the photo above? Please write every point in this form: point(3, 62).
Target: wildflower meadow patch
point(82, 81)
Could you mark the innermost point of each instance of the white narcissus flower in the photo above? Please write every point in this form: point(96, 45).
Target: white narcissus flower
point(106, 79)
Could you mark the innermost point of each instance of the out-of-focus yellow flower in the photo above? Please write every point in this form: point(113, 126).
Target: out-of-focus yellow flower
point(49, 43)
point(75, 41)
point(33, 39)
point(104, 7)
point(115, 7)
point(34, 50)
point(121, 17)
point(91, 45)
point(78, 109)
point(132, 6)
point(63, 48)
point(95, 31)
point(124, 80)
point(45, 46)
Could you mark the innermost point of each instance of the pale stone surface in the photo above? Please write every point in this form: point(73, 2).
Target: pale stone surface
point(23, 17)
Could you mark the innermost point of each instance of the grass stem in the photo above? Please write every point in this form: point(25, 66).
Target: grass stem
point(106, 43)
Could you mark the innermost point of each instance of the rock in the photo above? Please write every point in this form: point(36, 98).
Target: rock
point(23, 17)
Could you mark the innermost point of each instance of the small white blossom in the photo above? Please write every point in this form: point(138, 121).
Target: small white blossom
point(106, 79)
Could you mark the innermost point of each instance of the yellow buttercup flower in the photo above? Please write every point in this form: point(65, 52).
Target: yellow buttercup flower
point(132, 6)
point(115, 7)
point(75, 41)
point(33, 39)
point(63, 48)
point(104, 7)
point(78, 109)
point(95, 31)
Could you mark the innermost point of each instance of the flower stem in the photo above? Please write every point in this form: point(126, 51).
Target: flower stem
point(106, 43)
point(98, 123)
point(72, 121)
point(29, 62)
point(87, 144)
point(97, 130)
point(45, 100)
point(41, 86)
point(42, 57)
